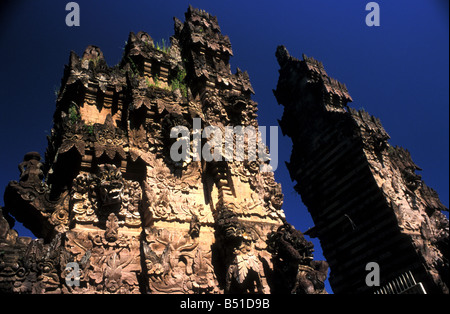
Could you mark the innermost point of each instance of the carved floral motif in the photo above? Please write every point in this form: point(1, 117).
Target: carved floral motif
point(176, 263)
point(106, 266)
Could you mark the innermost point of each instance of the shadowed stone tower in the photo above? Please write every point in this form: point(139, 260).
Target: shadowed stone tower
point(110, 202)
point(366, 200)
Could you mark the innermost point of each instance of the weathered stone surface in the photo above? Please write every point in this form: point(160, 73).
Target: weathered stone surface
point(365, 197)
point(110, 199)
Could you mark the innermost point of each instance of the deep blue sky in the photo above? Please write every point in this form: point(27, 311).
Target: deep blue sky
point(398, 72)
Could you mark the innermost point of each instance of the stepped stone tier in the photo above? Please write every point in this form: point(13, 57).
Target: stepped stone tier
point(114, 213)
point(364, 195)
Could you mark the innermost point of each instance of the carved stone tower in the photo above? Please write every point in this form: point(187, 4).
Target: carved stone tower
point(366, 200)
point(116, 213)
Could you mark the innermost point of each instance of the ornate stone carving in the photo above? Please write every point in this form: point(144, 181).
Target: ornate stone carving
point(176, 263)
point(109, 199)
point(109, 140)
point(29, 266)
point(31, 194)
point(245, 269)
point(31, 169)
point(95, 197)
point(292, 253)
point(107, 264)
point(357, 186)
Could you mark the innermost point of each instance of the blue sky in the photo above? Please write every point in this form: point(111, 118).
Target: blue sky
point(398, 72)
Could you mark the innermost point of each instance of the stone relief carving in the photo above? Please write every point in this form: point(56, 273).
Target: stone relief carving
point(94, 197)
point(176, 263)
point(108, 264)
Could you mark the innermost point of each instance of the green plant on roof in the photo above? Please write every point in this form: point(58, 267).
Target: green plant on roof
point(73, 113)
point(178, 82)
point(95, 61)
point(163, 46)
point(155, 83)
point(89, 128)
point(134, 69)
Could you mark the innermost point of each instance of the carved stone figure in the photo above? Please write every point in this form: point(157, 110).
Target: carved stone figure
point(31, 168)
point(112, 228)
point(292, 253)
point(109, 186)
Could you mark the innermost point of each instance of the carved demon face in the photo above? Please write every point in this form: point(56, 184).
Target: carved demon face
point(111, 192)
point(110, 185)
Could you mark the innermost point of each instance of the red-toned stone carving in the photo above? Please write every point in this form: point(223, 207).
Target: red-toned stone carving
point(116, 213)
